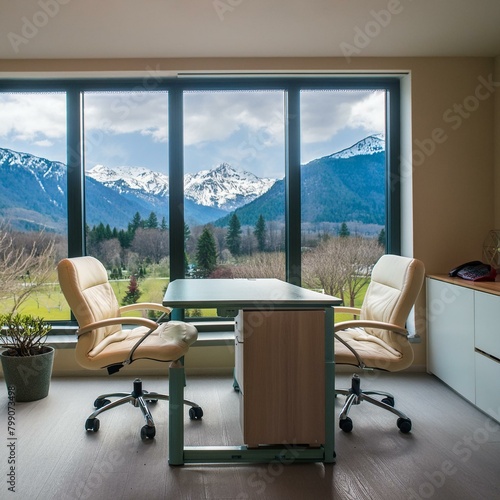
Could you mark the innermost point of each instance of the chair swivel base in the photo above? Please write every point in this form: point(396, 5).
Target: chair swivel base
point(354, 396)
point(139, 398)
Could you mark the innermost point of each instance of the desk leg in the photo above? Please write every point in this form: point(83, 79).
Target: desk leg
point(329, 388)
point(176, 414)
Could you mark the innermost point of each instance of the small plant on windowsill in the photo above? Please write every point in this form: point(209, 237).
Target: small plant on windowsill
point(23, 335)
point(26, 360)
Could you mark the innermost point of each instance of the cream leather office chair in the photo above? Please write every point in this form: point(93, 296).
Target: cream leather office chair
point(105, 342)
point(378, 339)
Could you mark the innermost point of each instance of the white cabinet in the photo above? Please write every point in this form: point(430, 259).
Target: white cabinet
point(463, 339)
point(487, 385)
point(450, 336)
point(487, 357)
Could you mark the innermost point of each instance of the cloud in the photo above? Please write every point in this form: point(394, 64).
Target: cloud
point(33, 117)
point(369, 113)
point(127, 113)
point(216, 116)
point(325, 113)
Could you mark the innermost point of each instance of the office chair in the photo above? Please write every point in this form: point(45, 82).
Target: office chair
point(378, 339)
point(104, 341)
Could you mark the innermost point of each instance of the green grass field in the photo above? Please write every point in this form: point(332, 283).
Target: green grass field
point(50, 304)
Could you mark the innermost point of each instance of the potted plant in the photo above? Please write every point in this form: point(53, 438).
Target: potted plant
point(26, 360)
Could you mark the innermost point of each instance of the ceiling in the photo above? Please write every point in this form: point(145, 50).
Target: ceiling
point(53, 29)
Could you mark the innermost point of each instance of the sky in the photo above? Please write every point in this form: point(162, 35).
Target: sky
point(242, 128)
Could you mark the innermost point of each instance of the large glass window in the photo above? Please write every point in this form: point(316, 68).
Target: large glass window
point(33, 202)
point(234, 165)
point(343, 182)
point(126, 190)
point(286, 177)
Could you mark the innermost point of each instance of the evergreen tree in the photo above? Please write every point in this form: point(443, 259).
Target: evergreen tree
point(187, 232)
point(344, 231)
point(206, 253)
point(136, 223)
point(133, 293)
point(233, 237)
point(163, 225)
point(152, 222)
point(381, 238)
point(260, 233)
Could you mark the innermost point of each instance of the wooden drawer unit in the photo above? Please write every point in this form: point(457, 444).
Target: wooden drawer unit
point(280, 358)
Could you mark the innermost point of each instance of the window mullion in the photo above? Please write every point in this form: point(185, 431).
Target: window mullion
point(76, 177)
point(176, 182)
point(292, 186)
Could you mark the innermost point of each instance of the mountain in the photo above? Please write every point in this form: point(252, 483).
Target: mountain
point(346, 186)
point(114, 195)
point(224, 187)
point(368, 146)
point(32, 191)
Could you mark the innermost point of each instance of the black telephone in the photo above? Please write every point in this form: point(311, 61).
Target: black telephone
point(474, 271)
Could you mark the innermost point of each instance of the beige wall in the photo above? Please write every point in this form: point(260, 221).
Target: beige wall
point(451, 190)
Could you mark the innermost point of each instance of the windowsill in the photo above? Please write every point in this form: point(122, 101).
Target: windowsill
point(67, 340)
point(205, 339)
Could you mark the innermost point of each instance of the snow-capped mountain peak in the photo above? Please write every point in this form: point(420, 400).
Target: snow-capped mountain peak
point(131, 178)
point(368, 146)
point(225, 187)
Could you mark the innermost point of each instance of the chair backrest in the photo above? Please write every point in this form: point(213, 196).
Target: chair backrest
point(395, 284)
point(84, 283)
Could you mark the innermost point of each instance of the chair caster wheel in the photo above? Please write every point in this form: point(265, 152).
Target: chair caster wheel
point(99, 403)
point(388, 401)
point(346, 424)
point(195, 413)
point(404, 425)
point(148, 432)
point(92, 424)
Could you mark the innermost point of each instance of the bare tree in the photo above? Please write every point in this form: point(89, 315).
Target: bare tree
point(341, 266)
point(110, 253)
point(363, 254)
point(150, 244)
point(24, 267)
point(262, 265)
point(324, 267)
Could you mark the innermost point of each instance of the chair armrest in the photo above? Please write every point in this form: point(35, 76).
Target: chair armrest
point(141, 306)
point(117, 321)
point(356, 311)
point(365, 323)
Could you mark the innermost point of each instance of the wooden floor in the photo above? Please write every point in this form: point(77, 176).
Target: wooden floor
point(453, 451)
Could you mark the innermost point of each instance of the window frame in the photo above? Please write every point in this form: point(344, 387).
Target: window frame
point(175, 86)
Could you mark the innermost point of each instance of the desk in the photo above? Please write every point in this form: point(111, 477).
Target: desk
point(272, 300)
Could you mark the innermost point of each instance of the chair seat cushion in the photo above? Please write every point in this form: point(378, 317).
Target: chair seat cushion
point(169, 342)
point(374, 352)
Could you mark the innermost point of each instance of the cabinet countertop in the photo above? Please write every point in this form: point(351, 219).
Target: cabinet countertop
point(492, 287)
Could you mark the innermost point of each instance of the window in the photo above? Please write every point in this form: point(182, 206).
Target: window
point(126, 189)
point(343, 183)
point(33, 201)
point(233, 173)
